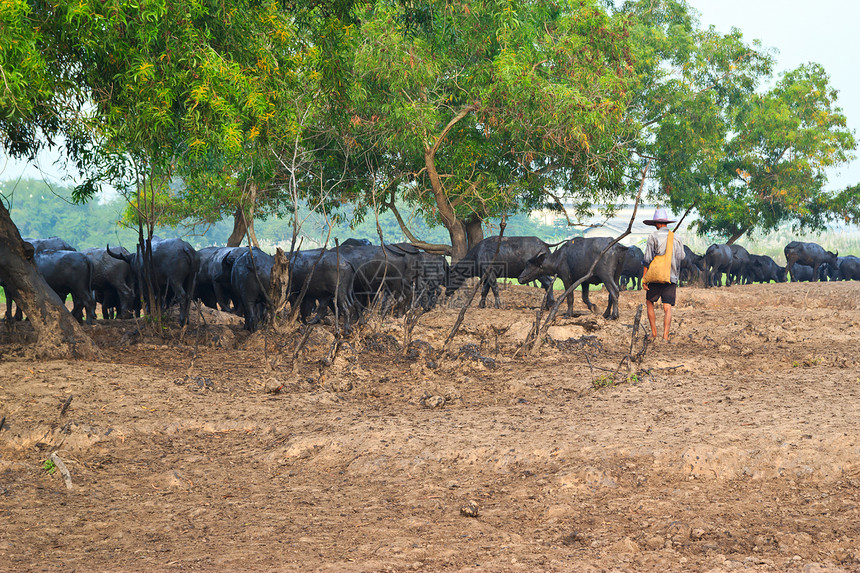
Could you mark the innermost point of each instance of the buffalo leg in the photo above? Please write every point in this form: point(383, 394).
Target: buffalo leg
point(591, 307)
point(569, 312)
point(612, 307)
point(494, 284)
point(484, 292)
point(546, 283)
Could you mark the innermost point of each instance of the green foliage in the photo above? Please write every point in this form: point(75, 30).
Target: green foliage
point(475, 110)
point(603, 381)
point(453, 113)
point(49, 467)
point(746, 157)
point(41, 211)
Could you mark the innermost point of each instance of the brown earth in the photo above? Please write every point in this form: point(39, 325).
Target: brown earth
point(735, 447)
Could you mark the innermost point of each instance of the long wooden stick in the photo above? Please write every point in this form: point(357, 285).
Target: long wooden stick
point(687, 212)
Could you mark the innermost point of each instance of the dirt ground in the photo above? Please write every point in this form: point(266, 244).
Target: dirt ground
point(736, 447)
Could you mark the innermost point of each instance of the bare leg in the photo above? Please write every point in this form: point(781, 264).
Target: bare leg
point(652, 319)
point(667, 320)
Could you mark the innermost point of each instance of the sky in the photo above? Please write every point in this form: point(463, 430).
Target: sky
point(825, 32)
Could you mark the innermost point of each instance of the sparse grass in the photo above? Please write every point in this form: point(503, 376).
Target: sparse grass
point(602, 381)
point(608, 380)
point(49, 467)
point(806, 362)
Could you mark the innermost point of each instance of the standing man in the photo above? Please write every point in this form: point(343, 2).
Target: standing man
point(663, 281)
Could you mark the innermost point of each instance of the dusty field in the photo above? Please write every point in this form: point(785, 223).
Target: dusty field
point(735, 447)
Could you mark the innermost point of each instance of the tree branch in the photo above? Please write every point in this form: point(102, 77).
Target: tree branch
point(463, 113)
point(432, 248)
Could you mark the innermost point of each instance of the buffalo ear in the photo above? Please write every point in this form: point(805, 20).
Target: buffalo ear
point(539, 259)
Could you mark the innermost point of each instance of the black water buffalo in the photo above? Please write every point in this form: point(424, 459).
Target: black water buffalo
point(763, 269)
point(718, 260)
point(32, 246)
point(355, 243)
point(174, 268)
point(811, 254)
point(113, 283)
point(828, 272)
point(50, 244)
point(431, 274)
point(250, 279)
point(212, 286)
point(692, 266)
point(69, 273)
point(849, 269)
point(330, 279)
point(571, 261)
point(801, 273)
point(738, 268)
point(634, 265)
point(512, 260)
point(388, 270)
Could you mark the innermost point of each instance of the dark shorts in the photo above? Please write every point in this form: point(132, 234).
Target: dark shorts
point(666, 291)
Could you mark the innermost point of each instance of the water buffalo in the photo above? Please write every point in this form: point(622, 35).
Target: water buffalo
point(113, 283)
point(49, 244)
point(801, 273)
point(250, 279)
point(69, 272)
point(634, 265)
point(212, 286)
point(849, 269)
point(32, 246)
point(738, 268)
point(512, 260)
point(811, 254)
point(571, 261)
point(355, 243)
point(718, 260)
point(388, 270)
point(330, 281)
point(431, 274)
point(174, 268)
point(763, 269)
point(66, 272)
point(692, 266)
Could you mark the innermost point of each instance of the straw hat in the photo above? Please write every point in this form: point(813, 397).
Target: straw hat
point(660, 216)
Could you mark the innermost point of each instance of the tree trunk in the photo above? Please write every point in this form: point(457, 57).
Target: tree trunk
point(456, 229)
point(239, 228)
point(474, 230)
point(58, 334)
point(736, 236)
point(243, 223)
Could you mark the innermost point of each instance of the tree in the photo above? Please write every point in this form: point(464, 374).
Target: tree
point(847, 205)
point(786, 139)
point(473, 110)
point(746, 158)
point(300, 79)
point(39, 101)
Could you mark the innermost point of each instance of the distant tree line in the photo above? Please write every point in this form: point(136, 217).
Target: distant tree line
point(41, 210)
